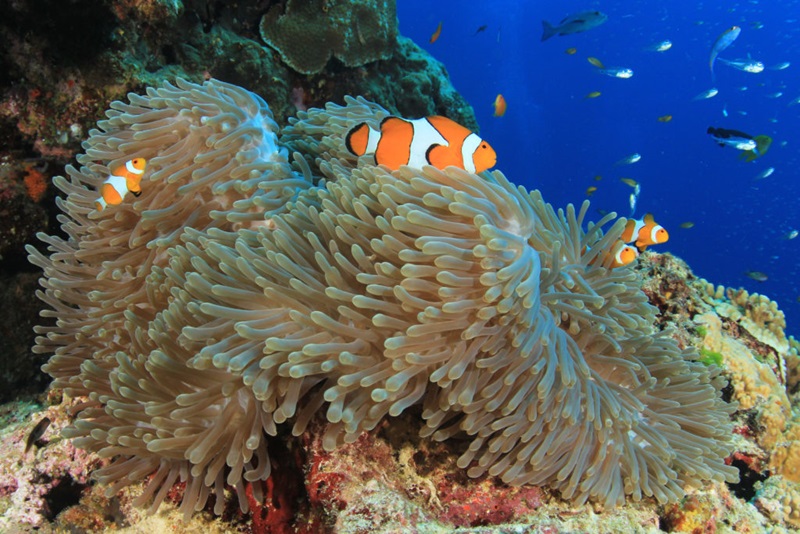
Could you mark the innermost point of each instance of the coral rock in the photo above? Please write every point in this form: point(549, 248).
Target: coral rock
point(306, 33)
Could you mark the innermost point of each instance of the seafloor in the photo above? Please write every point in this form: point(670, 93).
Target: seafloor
point(54, 87)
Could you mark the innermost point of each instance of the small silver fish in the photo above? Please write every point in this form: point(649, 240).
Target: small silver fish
point(629, 160)
point(663, 46)
point(711, 93)
point(765, 173)
point(617, 72)
point(745, 65)
point(722, 42)
point(634, 199)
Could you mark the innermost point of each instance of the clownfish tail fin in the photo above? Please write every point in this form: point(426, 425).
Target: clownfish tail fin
point(357, 139)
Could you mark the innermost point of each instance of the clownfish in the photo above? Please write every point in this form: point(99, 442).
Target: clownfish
point(124, 178)
point(644, 233)
point(436, 141)
point(622, 254)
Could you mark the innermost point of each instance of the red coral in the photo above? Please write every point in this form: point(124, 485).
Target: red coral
point(280, 509)
point(35, 182)
point(488, 503)
point(324, 488)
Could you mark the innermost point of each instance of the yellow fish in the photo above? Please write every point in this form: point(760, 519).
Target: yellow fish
point(436, 34)
point(596, 62)
point(686, 225)
point(629, 181)
point(665, 118)
point(590, 191)
point(593, 94)
point(570, 51)
point(499, 106)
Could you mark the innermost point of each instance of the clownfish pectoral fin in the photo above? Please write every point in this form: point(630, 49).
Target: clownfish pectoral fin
point(440, 157)
point(357, 139)
point(394, 146)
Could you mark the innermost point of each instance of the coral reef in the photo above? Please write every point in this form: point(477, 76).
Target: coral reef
point(307, 33)
point(389, 479)
point(24, 186)
point(239, 292)
point(37, 481)
point(54, 87)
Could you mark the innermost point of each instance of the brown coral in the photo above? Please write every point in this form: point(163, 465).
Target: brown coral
point(306, 33)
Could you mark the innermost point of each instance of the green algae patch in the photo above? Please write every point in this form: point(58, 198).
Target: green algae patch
point(709, 357)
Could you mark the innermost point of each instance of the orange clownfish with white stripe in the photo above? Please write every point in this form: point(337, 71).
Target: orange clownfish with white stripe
point(436, 141)
point(644, 233)
point(619, 255)
point(124, 178)
point(622, 254)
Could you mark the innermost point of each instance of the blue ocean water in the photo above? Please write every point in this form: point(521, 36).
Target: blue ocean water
point(555, 139)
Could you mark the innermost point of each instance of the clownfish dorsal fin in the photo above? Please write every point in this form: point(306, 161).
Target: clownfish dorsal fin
point(438, 156)
point(648, 218)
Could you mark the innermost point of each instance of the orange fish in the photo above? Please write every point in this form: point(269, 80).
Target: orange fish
point(436, 141)
point(644, 233)
point(124, 178)
point(622, 254)
point(436, 34)
point(499, 106)
point(619, 255)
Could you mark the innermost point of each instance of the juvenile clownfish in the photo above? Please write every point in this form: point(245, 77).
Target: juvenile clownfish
point(124, 178)
point(644, 233)
point(436, 141)
point(622, 254)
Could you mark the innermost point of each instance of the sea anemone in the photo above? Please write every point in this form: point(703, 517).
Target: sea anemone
point(234, 295)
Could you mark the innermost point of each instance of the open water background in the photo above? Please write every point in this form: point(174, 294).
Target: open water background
point(554, 139)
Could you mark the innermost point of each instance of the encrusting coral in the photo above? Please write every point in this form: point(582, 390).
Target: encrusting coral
point(239, 292)
point(307, 33)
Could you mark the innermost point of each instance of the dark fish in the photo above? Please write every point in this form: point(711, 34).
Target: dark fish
point(481, 29)
point(758, 276)
point(37, 432)
point(579, 22)
point(733, 138)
